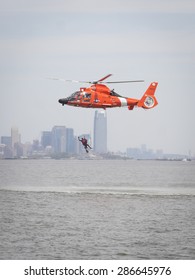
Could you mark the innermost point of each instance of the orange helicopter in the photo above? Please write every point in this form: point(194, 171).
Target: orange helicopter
point(98, 95)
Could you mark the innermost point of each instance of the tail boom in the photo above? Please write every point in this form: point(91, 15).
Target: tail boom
point(148, 100)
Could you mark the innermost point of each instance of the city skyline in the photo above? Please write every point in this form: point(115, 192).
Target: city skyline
point(61, 141)
point(188, 151)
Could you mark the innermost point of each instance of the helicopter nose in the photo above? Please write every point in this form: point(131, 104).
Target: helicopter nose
point(63, 101)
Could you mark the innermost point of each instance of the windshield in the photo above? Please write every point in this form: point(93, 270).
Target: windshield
point(74, 96)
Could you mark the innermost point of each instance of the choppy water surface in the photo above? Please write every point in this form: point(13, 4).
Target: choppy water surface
point(88, 209)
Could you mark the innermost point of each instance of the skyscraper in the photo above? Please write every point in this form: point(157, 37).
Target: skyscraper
point(7, 140)
point(15, 141)
point(46, 139)
point(70, 144)
point(100, 132)
point(15, 136)
point(59, 139)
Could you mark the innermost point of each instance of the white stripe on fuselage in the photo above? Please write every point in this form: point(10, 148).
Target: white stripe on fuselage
point(123, 101)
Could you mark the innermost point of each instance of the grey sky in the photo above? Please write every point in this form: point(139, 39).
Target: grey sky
point(85, 40)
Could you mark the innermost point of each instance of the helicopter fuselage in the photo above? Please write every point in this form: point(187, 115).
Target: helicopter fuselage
point(100, 96)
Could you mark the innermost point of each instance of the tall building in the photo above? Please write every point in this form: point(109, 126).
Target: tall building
point(15, 141)
point(70, 143)
point(46, 139)
point(15, 136)
point(7, 140)
point(6, 147)
point(100, 132)
point(59, 139)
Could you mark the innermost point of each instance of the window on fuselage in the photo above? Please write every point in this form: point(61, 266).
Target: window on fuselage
point(74, 96)
point(86, 96)
point(113, 93)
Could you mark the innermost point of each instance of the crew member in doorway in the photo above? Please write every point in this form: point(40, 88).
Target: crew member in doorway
point(83, 140)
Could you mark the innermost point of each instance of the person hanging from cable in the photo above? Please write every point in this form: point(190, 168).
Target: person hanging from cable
point(83, 140)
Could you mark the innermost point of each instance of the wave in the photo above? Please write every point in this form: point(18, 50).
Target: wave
point(104, 190)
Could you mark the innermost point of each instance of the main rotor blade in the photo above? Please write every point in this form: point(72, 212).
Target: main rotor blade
point(120, 82)
point(102, 79)
point(72, 81)
point(75, 81)
point(96, 82)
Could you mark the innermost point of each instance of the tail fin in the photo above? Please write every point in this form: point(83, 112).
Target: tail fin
point(148, 100)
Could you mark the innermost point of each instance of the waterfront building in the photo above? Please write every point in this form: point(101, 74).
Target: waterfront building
point(70, 143)
point(46, 139)
point(59, 139)
point(100, 132)
point(7, 140)
point(15, 142)
point(15, 136)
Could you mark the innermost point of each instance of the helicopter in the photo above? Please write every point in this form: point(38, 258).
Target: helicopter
point(98, 95)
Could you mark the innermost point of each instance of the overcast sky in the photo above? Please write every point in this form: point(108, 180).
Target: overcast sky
point(85, 40)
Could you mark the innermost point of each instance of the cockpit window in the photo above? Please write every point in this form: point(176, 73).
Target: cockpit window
point(74, 96)
point(78, 95)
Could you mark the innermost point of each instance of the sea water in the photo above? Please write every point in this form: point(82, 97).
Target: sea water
point(97, 209)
